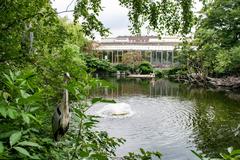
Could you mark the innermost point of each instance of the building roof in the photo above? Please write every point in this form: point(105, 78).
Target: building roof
point(139, 43)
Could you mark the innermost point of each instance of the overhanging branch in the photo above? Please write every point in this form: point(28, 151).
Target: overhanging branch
point(65, 11)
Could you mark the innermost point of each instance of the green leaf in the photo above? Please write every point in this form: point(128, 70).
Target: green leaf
point(22, 150)
point(197, 154)
point(27, 143)
point(22, 83)
point(6, 95)
point(83, 154)
point(32, 109)
point(6, 134)
point(24, 94)
point(95, 100)
point(12, 75)
point(235, 152)
point(34, 118)
point(108, 101)
point(3, 111)
point(158, 154)
point(100, 99)
point(142, 151)
point(99, 156)
point(225, 156)
point(35, 157)
point(1, 147)
point(8, 78)
point(12, 113)
point(25, 118)
point(15, 137)
point(88, 124)
point(76, 117)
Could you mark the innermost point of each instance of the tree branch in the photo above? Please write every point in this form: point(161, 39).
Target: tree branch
point(69, 4)
point(65, 11)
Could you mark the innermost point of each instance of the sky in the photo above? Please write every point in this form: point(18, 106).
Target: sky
point(113, 16)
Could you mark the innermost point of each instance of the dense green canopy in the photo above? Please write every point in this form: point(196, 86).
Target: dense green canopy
point(216, 41)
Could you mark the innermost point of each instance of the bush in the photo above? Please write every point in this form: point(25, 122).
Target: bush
point(168, 72)
point(173, 71)
point(158, 73)
point(122, 67)
point(98, 66)
point(145, 68)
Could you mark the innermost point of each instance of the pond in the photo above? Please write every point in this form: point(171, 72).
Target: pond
point(171, 118)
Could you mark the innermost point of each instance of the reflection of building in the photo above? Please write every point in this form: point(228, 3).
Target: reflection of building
point(157, 51)
point(134, 87)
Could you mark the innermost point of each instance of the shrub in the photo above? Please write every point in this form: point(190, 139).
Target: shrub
point(158, 73)
point(98, 66)
point(145, 68)
point(122, 67)
point(173, 71)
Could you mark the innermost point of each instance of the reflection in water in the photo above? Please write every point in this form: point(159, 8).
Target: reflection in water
point(172, 118)
point(125, 87)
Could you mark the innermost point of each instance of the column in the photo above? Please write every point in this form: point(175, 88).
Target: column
point(172, 57)
point(108, 56)
point(162, 57)
point(117, 57)
point(112, 56)
point(167, 58)
point(151, 57)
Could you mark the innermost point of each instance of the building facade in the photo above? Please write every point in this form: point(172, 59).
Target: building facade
point(159, 52)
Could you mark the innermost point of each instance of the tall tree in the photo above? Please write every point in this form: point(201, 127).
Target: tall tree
point(216, 40)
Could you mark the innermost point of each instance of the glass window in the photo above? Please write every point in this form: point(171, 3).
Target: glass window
point(170, 57)
point(164, 56)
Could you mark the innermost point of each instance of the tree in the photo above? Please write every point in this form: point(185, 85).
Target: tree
point(216, 40)
point(132, 59)
point(36, 48)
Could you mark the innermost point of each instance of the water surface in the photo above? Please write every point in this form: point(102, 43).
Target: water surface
point(171, 118)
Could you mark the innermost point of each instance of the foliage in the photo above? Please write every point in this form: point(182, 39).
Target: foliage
point(123, 67)
point(174, 71)
point(74, 33)
point(32, 84)
point(170, 73)
point(89, 143)
point(160, 16)
point(88, 12)
point(145, 68)
point(97, 65)
point(132, 59)
point(143, 155)
point(20, 101)
point(22, 22)
point(233, 154)
point(158, 73)
point(216, 41)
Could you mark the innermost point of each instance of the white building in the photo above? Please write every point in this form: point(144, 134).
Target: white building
point(159, 52)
